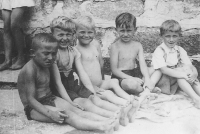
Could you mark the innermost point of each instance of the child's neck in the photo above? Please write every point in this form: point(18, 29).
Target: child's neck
point(84, 45)
point(126, 43)
point(37, 65)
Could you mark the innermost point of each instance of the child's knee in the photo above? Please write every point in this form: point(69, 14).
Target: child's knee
point(130, 84)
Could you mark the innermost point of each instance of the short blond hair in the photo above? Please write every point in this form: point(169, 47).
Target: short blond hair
point(85, 21)
point(170, 26)
point(63, 23)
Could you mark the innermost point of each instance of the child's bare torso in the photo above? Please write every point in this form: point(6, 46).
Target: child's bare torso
point(91, 64)
point(127, 54)
point(41, 78)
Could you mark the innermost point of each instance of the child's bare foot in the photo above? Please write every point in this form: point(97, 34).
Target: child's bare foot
point(134, 108)
point(197, 103)
point(116, 127)
point(108, 125)
point(18, 64)
point(5, 66)
point(117, 114)
point(156, 90)
point(124, 119)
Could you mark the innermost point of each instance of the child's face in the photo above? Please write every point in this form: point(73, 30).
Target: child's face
point(45, 55)
point(170, 38)
point(63, 37)
point(126, 34)
point(85, 35)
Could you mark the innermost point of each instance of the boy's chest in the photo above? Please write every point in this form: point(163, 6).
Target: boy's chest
point(43, 77)
point(90, 54)
point(171, 58)
point(128, 53)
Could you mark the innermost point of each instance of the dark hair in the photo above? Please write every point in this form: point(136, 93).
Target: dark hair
point(170, 26)
point(42, 37)
point(125, 20)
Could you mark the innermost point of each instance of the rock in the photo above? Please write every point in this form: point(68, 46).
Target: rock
point(160, 10)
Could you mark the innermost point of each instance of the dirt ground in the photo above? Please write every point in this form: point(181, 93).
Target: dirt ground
point(13, 121)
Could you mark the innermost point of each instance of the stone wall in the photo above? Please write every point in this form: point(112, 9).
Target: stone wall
point(149, 13)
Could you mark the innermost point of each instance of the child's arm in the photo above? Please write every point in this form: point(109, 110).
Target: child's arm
point(144, 69)
point(57, 116)
point(101, 61)
point(174, 73)
point(114, 61)
point(84, 78)
point(59, 86)
point(58, 83)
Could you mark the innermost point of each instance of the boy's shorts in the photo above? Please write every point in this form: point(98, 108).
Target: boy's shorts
point(134, 73)
point(46, 100)
point(72, 87)
point(10, 4)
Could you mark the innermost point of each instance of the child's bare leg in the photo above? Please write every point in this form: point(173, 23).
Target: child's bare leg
point(16, 21)
point(104, 104)
point(7, 38)
point(124, 115)
point(131, 86)
point(89, 106)
point(42, 118)
point(66, 105)
point(135, 107)
point(76, 121)
point(114, 84)
point(186, 87)
point(196, 87)
point(155, 77)
point(110, 96)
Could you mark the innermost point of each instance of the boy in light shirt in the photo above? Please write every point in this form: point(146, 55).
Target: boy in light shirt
point(174, 64)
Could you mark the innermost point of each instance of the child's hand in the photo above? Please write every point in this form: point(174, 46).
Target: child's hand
point(185, 76)
point(78, 106)
point(58, 116)
point(140, 81)
point(192, 78)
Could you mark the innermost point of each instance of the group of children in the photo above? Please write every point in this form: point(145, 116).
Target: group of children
point(50, 93)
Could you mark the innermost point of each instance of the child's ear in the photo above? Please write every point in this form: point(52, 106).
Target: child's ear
point(32, 54)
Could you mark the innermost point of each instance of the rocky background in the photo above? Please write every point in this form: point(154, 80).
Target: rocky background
point(150, 14)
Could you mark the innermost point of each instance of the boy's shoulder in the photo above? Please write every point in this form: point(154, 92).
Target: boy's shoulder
point(118, 44)
point(95, 43)
point(28, 70)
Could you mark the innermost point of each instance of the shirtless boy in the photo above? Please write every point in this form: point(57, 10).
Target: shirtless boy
point(39, 102)
point(68, 62)
point(174, 64)
point(123, 58)
point(92, 61)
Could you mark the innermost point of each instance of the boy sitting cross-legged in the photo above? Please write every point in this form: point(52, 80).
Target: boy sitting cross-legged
point(174, 64)
point(92, 61)
point(68, 61)
point(39, 102)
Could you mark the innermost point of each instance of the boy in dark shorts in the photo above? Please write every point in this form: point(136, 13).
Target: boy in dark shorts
point(39, 102)
point(68, 62)
point(123, 58)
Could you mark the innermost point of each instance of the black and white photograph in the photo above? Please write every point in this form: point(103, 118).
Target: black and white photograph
point(99, 66)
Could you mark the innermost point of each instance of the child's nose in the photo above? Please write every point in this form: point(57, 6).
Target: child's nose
point(125, 33)
point(50, 57)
